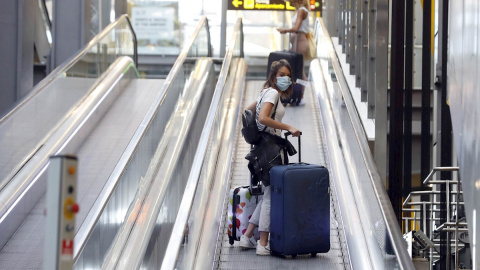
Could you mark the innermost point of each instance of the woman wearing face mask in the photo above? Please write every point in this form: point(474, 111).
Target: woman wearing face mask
point(269, 111)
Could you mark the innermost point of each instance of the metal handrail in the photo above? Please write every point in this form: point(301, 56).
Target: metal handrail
point(122, 241)
point(446, 226)
point(381, 195)
point(73, 60)
point(176, 238)
point(377, 183)
point(60, 139)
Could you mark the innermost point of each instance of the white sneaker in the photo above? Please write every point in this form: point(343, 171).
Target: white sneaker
point(261, 250)
point(246, 242)
point(302, 102)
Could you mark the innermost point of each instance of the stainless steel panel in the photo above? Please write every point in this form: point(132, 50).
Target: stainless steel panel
point(463, 94)
point(109, 184)
point(201, 231)
point(26, 125)
point(365, 59)
point(18, 197)
point(358, 42)
point(80, 135)
point(376, 215)
point(370, 59)
point(206, 200)
point(149, 220)
point(381, 86)
point(307, 119)
point(352, 35)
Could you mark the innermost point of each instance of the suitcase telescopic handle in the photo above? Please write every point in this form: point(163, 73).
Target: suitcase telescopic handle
point(288, 133)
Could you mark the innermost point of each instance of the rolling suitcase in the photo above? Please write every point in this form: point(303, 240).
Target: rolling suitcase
point(242, 202)
point(300, 211)
point(296, 62)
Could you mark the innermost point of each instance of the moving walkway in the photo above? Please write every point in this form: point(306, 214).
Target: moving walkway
point(155, 172)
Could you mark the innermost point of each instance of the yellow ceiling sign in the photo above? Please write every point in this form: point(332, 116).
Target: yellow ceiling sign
point(236, 3)
point(259, 5)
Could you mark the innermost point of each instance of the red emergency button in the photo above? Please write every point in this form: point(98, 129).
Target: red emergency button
point(74, 208)
point(70, 208)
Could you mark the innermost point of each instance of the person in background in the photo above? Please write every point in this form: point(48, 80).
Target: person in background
point(299, 30)
point(279, 83)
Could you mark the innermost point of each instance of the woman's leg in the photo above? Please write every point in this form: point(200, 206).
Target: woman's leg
point(302, 47)
point(254, 220)
point(264, 224)
point(249, 232)
point(264, 238)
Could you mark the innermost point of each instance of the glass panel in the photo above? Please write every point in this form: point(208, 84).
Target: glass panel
point(150, 133)
point(188, 248)
point(23, 129)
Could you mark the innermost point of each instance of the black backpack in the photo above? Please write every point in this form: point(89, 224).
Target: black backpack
point(250, 129)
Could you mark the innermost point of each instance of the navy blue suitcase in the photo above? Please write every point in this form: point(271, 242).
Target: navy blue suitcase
point(300, 210)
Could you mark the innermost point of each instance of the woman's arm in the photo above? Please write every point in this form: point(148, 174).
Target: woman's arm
point(302, 15)
point(264, 119)
point(252, 106)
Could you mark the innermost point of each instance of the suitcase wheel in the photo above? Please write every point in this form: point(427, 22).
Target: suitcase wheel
point(314, 254)
point(230, 240)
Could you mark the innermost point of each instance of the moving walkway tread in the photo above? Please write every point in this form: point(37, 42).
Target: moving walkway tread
point(98, 156)
point(306, 118)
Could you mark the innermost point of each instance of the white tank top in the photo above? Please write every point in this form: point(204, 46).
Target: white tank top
point(304, 27)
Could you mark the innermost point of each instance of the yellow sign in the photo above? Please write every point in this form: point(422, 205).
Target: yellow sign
point(236, 3)
point(249, 4)
point(259, 5)
point(289, 7)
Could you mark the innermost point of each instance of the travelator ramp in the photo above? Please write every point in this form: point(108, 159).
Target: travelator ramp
point(96, 107)
point(181, 220)
point(164, 203)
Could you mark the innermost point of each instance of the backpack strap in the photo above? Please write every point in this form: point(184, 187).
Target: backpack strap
point(274, 110)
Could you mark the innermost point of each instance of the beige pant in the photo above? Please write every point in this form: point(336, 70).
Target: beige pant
point(261, 215)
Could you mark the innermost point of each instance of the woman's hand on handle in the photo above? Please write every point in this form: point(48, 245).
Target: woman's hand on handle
point(295, 132)
point(282, 30)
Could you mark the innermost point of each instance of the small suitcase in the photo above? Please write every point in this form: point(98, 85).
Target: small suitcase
point(296, 96)
point(296, 63)
point(241, 205)
point(300, 211)
point(293, 58)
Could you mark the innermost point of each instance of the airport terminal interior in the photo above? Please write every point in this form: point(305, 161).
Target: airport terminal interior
point(121, 132)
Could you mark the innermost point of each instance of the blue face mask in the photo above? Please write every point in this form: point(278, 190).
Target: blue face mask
point(283, 83)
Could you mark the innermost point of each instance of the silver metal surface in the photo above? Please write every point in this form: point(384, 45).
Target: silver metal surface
point(358, 42)
point(219, 128)
point(427, 222)
point(352, 35)
point(306, 118)
point(158, 197)
point(394, 233)
point(112, 131)
point(365, 50)
point(371, 59)
point(463, 88)
point(361, 159)
point(108, 190)
point(28, 185)
point(200, 234)
point(43, 35)
point(26, 125)
point(381, 86)
point(354, 231)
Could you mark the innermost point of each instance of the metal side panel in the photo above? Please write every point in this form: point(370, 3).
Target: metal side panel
point(97, 157)
point(306, 118)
